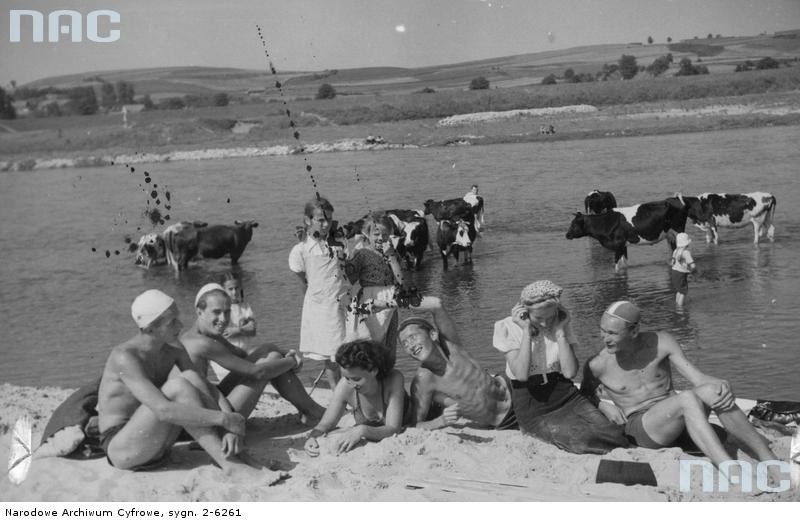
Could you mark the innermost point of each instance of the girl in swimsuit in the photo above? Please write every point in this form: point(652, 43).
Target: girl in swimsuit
point(380, 404)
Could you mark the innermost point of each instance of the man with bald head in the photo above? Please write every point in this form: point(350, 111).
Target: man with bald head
point(632, 379)
point(143, 404)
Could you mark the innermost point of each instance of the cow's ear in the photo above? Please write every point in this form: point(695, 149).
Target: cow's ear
point(255, 224)
point(237, 222)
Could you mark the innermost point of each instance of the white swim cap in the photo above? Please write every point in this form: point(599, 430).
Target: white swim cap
point(207, 288)
point(148, 306)
point(624, 310)
point(682, 239)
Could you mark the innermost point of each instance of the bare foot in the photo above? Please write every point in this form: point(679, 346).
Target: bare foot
point(241, 473)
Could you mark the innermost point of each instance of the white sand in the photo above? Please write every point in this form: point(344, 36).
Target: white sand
point(462, 463)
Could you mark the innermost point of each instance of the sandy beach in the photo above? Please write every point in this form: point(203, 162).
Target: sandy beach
point(461, 463)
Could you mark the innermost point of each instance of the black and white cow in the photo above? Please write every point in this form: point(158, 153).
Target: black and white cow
point(151, 250)
point(709, 211)
point(414, 235)
point(643, 224)
point(453, 236)
point(597, 202)
point(449, 209)
point(184, 241)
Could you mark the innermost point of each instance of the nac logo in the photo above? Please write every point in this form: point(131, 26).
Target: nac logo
point(63, 21)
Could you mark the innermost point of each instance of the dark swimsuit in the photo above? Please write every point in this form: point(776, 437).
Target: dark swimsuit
point(360, 418)
point(105, 441)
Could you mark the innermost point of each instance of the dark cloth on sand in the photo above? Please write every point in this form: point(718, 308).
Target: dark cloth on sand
point(555, 412)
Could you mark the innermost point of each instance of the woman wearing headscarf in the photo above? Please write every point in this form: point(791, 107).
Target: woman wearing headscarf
point(539, 347)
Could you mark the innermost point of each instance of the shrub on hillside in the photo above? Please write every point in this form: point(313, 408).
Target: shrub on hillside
point(169, 104)
point(660, 65)
point(688, 69)
point(326, 92)
point(83, 101)
point(426, 90)
point(478, 83)
point(627, 66)
point(549, 80)
point(220, 99)
point(7, 111)
point(767, 63)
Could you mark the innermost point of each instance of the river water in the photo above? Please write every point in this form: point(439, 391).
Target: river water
point(65, 305)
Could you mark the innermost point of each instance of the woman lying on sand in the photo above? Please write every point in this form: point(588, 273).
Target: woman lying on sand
point(380, 404)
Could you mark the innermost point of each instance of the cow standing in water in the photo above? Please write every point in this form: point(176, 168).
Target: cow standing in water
point(453, 236)
point(184, 241)
point(709, 211)
point(414, 235)
point(643, 224)
point(597, 202)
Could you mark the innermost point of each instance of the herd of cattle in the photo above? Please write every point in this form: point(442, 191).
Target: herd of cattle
point(458, 221)
point(647, 223)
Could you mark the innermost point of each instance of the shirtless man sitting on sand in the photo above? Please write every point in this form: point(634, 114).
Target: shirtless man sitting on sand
point(142, 408)
point(249, 373)
point(449, 383)
point(633, 372)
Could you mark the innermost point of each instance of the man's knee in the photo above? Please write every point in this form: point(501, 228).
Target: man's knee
point(266, 357)
point(181, 389)
point(690, 401)
point(263, 351)
point(707, 393)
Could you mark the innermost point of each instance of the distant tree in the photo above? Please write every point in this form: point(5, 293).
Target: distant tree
point(628, 67)
point(124, 93)
point(82, 100)
point(767, 63)
point(220, 99)
point(50, 109)
point(147, 102)
point(710, 36)
point(478, 83)
point(7, 110)
point(549, 80)
point(718, 36)
point(192, 100)
point(13, 85)
point(171, 103)
point(649, 39)
point(569, 75)
point(687, 69)
point(668, 56)
point(426, 90)
point(326, 92)
point(669, 39)
point(108, 98)
point(659, 65)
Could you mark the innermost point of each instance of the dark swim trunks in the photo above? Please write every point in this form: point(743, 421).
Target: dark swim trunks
point(680, 281)
point(105, 441)
point(509, 422)
point(634, 430)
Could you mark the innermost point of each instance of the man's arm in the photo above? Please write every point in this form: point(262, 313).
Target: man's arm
point(590, 383)
point(233, 359)
point(670, 346)
point(592, 389)
point(184, 362)
point(134, 377)
point(441, 319)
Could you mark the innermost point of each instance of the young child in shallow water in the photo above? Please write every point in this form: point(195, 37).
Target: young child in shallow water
point(380, 404)
point(319, 265)
point(682, 265)
point(376, 268)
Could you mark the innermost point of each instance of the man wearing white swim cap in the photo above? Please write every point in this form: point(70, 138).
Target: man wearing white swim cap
point(249, 372)
point(631, 377)
point(142, 409)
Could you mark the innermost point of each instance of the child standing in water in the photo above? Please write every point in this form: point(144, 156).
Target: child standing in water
point(319, 265)
point(682, 265)
point(376, 268)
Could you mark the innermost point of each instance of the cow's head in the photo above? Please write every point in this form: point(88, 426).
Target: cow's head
point(150, 250)
point(246, 228)
point(411, 234)
point(428, 206)
point(578, 226)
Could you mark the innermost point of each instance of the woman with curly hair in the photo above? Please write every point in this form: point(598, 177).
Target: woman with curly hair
point(380, 404)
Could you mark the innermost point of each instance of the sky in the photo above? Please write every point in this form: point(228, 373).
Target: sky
point(315, 35)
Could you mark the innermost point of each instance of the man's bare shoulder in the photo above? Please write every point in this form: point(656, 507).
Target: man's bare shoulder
point(197, 343)
point(600, 361)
